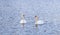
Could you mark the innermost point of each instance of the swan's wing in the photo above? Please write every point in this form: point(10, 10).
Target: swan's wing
point(40, 22)
point(23, 21)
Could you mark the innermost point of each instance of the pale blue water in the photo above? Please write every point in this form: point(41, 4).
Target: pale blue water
point(47, 10)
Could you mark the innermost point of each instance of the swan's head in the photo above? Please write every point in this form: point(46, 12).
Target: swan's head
point(36, 18)
point(23, 15)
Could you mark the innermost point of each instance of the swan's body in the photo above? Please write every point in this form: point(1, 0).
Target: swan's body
point(39, 22)
point(23, 21)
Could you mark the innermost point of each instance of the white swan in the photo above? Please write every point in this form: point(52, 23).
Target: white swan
point(23, 21)
point(38, 21)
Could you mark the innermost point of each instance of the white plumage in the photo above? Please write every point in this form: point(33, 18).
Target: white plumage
point(23, 21)
point(39, 22)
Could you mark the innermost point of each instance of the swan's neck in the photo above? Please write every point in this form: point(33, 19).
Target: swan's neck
point(22, 17)
point(36, 20)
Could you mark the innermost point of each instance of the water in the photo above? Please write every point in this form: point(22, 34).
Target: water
point(47, 10)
